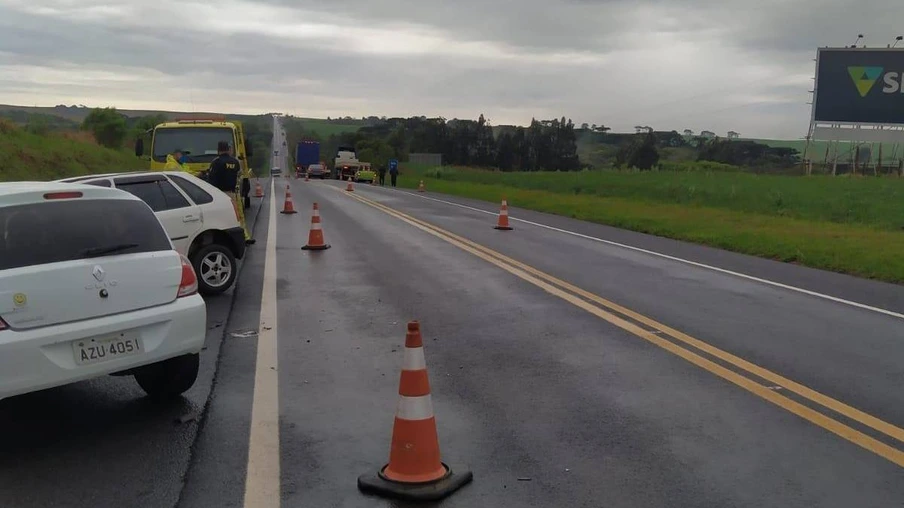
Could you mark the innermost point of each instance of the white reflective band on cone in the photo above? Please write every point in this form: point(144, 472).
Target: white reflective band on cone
point(415, 408)
point(414, 359)
point(315, 226)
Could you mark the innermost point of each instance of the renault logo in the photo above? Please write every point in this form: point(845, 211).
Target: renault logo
point(99, 273)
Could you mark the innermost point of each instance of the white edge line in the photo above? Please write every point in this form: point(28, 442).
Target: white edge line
point(680, 260)
point(262, 483)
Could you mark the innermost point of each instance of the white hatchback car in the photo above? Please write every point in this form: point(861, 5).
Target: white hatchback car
point(199, 219)
point(90, 285)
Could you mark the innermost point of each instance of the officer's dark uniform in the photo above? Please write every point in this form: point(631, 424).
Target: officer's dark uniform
point(224, 174)
point(382, 171)
point(393, 174)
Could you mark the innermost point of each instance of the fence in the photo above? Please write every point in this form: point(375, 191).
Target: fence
point(426, 159)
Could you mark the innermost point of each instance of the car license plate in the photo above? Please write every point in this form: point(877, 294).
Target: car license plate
point(103, 349)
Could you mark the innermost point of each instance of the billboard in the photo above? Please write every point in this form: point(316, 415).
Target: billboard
point(859, 86)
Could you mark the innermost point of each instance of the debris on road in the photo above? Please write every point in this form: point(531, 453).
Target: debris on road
point(244, 335)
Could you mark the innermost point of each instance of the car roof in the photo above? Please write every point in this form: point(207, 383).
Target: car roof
point(85, 178)
point(15, 193)
point(121, 173)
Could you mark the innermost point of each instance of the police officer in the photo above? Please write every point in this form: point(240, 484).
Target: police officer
point(225, 174)
point(382, 170)
point(393, 172)
point(174, 161)
point(178, 161)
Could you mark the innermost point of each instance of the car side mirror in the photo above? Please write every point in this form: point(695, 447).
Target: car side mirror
point(139, 147)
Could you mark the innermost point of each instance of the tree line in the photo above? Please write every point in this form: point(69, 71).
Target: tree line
point(545, 145)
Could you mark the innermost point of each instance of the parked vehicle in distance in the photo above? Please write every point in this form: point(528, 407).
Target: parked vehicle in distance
point(318, 171)
point(91, 285)
point(200, 220)
point(365, 173)
point(306, 153)
point(275, 171)
point(346, 163)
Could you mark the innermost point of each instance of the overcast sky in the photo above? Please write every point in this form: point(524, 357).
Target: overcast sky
point(700, 64)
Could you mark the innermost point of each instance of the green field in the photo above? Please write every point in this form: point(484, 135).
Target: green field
point(28, 156)
point(851, 225)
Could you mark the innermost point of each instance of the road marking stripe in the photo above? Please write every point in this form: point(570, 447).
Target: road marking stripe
point(262, 484)
point(823, 400)
point(859, 438)
point(680, 260)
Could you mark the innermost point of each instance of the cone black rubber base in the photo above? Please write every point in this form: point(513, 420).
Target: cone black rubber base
point(316, 247)
point(503, 228)
point(430, 491)
point(293, 211)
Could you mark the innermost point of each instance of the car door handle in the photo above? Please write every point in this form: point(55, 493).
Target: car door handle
point(191, 218)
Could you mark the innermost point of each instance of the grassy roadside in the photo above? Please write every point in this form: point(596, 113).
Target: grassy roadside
point(852, 245)
point(28, 156)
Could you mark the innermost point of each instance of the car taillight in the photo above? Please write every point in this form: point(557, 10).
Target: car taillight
point(62, 195)
point(3, 325)
point(189, 283)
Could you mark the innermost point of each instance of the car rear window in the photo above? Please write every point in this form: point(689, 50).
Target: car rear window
point(197, 194)
point(159, 194)
point(55, 231)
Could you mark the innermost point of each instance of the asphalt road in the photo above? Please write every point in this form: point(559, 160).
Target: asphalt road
point(565, 370)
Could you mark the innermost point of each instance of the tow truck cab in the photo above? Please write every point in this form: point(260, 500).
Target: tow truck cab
point(198, 138)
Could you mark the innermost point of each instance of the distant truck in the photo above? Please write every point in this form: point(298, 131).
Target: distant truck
point(198, 138)
point(346, 163)
point(306, 153)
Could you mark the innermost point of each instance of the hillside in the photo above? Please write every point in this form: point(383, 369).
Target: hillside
point(77, 114)
point(29, 156)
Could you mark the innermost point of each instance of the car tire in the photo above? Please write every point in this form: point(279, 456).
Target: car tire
point(169, 378)
point(220, 258)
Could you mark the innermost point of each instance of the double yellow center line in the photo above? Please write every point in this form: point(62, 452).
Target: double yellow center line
point(751, 377)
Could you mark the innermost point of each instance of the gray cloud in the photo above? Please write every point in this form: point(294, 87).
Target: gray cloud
point(697, 64)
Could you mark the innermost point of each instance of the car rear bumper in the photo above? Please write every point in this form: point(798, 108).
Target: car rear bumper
point(32, 360)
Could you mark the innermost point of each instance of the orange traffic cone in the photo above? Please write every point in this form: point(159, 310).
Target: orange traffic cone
point(307, 177)
point(289, 206)
point(503, 222)
point(315, 237)
point(420, 187)
point(258, 190)
point(415, 471)
point(350, 187)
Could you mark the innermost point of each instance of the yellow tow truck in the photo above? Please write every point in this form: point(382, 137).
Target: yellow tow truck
point(198, 138)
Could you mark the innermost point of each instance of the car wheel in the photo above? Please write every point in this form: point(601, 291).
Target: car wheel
point(216, 268)
point(169, 378)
